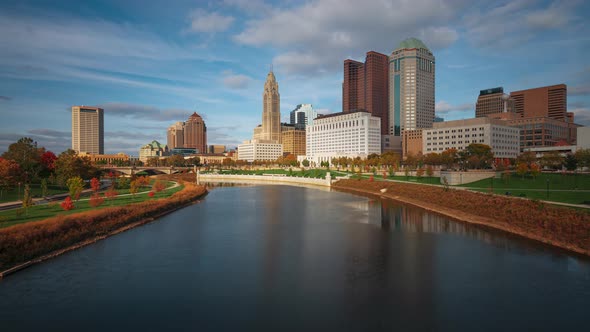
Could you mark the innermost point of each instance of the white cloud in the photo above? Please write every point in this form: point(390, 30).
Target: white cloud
point(580, 90)
point(202, 21)
point(442, 107)
point(235, 81)
point(318, 35)
point(582, 116)
point(145, 112)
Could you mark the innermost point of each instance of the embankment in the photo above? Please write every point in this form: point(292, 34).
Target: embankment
point(561, 227)
point(26, 244)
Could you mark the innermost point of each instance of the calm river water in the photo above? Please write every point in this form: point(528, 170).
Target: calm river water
point(280, 258)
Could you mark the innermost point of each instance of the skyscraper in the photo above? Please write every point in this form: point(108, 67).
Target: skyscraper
point(303, 115)
point(365, 87)
point(195, 133)
point(411, 84)
point(547, 101)
point(271, 113)
point(492, 101)
point(88, 129)
point(175, 135)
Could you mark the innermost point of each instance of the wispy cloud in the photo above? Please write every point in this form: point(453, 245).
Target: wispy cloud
point(5, 98)
point(203, 21)
point(235, 81)
point(144, 112)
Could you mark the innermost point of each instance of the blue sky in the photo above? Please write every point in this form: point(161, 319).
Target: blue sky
point(151, 63)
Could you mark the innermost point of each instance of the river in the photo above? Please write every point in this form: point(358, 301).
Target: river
point(282, 258)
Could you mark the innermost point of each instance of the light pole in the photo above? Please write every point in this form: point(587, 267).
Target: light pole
point(547, 192)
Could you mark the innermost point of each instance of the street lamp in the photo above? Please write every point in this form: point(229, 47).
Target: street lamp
point(547, 192)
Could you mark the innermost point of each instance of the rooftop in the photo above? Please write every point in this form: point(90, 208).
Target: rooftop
point(412, 43)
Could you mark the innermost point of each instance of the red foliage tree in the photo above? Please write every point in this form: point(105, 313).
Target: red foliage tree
point(111, 193)
point(48, 160)
point(96, 200)
point(158, 186)
point(67, 204)
point(95, 184)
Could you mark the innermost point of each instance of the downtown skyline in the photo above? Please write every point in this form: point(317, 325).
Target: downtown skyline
point(151, 65)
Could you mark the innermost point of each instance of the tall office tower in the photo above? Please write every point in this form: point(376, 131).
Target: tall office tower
point(88, 129)
point(271, 112)
point(303, 115)
point(411, 84)
point(353, 86)
point(365, 87)
point(175, 135)
point(492, 101)
point(547, 101)
point(195, 133)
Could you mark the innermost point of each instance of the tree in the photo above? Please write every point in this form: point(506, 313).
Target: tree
point(478, 155)
point(429, 171)
point(111, 194)
point(75, 187)
point(123, 183)
point(552, 160)
point(305, 163)
point(432, 159)
point(449, 158)
point(153, 161)
point(175, 160)
point(48, 159)
point(95, 184)
point(96, 200)
point(583, 157)
point(522, 169)
point(535, 170)
point(570, 162)
point(420, 173)
point(27, 198)
point(390, 158)
point(134, 187)
point(69, 165)
point(9, 174)
point(44, 187)
point(27, 155)
point(158, 186)
point(67, 204)
point(527, 157)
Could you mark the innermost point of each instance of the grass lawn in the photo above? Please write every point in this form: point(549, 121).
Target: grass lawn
point(12, 195)
point(40, 212)
point(568, 188)
point(311, 173)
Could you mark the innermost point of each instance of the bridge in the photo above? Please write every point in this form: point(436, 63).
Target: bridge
point(152, 170)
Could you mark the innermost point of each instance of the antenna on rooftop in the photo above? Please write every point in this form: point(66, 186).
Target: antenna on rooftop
point(271, 67)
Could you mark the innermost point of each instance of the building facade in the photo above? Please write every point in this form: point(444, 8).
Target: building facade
point(303, 115)
point(366, 86)
point(153, 149)
point(195, 133)
point(547, 101)
point(175, 135)
point(216, 148)
point(412, 143)
point(411, 87)
point(254, 150)
point(458, 134)
point(271, 112)
point(492, 101)
point(293, 142)
point(108, 159)
point(88, 129)
point(346, 134)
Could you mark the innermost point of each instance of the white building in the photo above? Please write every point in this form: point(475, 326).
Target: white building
point(153, 149)
point(88, 129)
point(259, 150)
point(303, 114)
point(356, 134)
point(458, 134)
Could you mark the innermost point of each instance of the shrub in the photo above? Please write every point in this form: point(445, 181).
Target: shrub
point(96, 200)
point(158, 186)
point(67, 204)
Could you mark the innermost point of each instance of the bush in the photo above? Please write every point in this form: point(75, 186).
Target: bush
point(96, 200)
point(67, 204)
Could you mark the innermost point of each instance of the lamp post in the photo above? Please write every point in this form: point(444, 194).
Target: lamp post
point(547, 192)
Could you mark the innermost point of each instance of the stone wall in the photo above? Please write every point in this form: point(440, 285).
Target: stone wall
point(457, 178)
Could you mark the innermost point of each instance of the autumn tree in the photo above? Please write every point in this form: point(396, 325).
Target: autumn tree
point(449, 158)
point(27, 155)
point(429, 171)
point(67, 204)
point(522, 169)
point(535, 170)
point(75, 187)
point(48, 159)
point(96, 200)
point(175, 160)
point(158, 186)
point(68, 165)
point(552, 160)
point(420, 173)
point(583, 157)
point(9, 175)
point(27, 198)
point(44, 187)
point(478, 155)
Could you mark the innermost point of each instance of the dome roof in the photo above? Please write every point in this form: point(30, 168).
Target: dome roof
point(412, 43)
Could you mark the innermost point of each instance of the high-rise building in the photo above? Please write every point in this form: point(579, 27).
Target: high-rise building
point(303, 115)
point(88, 129)
point(492, 101)
point(411, 87)
point(271, 112)
point(195, 133)
point(365, 87)
point(547, 101)
point(293, 141)
point(216, 148)
point(175, 135)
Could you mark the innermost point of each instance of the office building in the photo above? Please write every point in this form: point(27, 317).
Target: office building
point(216, 149)
point(303, 115)
point(458, 134)
point(195, 133)
point(255, 150)
point(271, 112)
point(492, 101)
point(547, 101)
point(153, 149)
point(411, 87)
point(412, 143)
point(175, 135)
point(346, 134)
point(88, 129)
point(365, 87)
point(293, 141)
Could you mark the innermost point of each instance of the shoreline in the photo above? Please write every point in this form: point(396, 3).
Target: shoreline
point(465, 217)
point(56, 253)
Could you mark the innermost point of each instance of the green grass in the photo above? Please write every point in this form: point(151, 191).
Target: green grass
point(568, 188)
point(12, 195)
point(40, 212)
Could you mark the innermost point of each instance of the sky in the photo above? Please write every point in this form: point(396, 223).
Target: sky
point(152, 63)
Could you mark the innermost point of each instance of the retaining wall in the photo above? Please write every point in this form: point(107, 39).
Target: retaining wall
point(266, 178)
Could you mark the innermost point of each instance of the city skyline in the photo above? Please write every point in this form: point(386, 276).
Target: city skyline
point(214, 59)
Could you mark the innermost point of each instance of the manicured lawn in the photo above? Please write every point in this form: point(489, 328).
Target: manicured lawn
point(568, 188)
point(12, 195)
point(39, 212)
